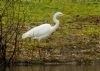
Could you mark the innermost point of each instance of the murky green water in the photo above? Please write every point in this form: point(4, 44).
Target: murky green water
point(52, 68)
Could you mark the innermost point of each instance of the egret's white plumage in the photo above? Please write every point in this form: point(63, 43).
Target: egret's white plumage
point(43, 30)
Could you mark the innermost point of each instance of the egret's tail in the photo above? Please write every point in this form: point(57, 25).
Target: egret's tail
point(24, 36)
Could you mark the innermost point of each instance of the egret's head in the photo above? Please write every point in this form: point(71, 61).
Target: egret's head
point(58, 14)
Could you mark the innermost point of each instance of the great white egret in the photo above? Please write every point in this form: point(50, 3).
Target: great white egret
point(43, 30)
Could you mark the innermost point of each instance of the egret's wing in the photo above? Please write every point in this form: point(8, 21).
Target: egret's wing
point(41, 30)
point(38, 31)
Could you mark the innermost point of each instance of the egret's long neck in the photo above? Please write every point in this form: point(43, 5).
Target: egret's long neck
point(56, 21)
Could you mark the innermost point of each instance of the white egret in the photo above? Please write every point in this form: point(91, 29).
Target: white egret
point(43, 30)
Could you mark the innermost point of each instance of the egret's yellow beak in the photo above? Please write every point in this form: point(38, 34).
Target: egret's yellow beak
point(64, 14)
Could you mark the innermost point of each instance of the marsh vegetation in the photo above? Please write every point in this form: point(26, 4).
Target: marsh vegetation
point(77, 40)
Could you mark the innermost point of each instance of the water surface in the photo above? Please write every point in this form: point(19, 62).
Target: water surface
point(52, 68)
